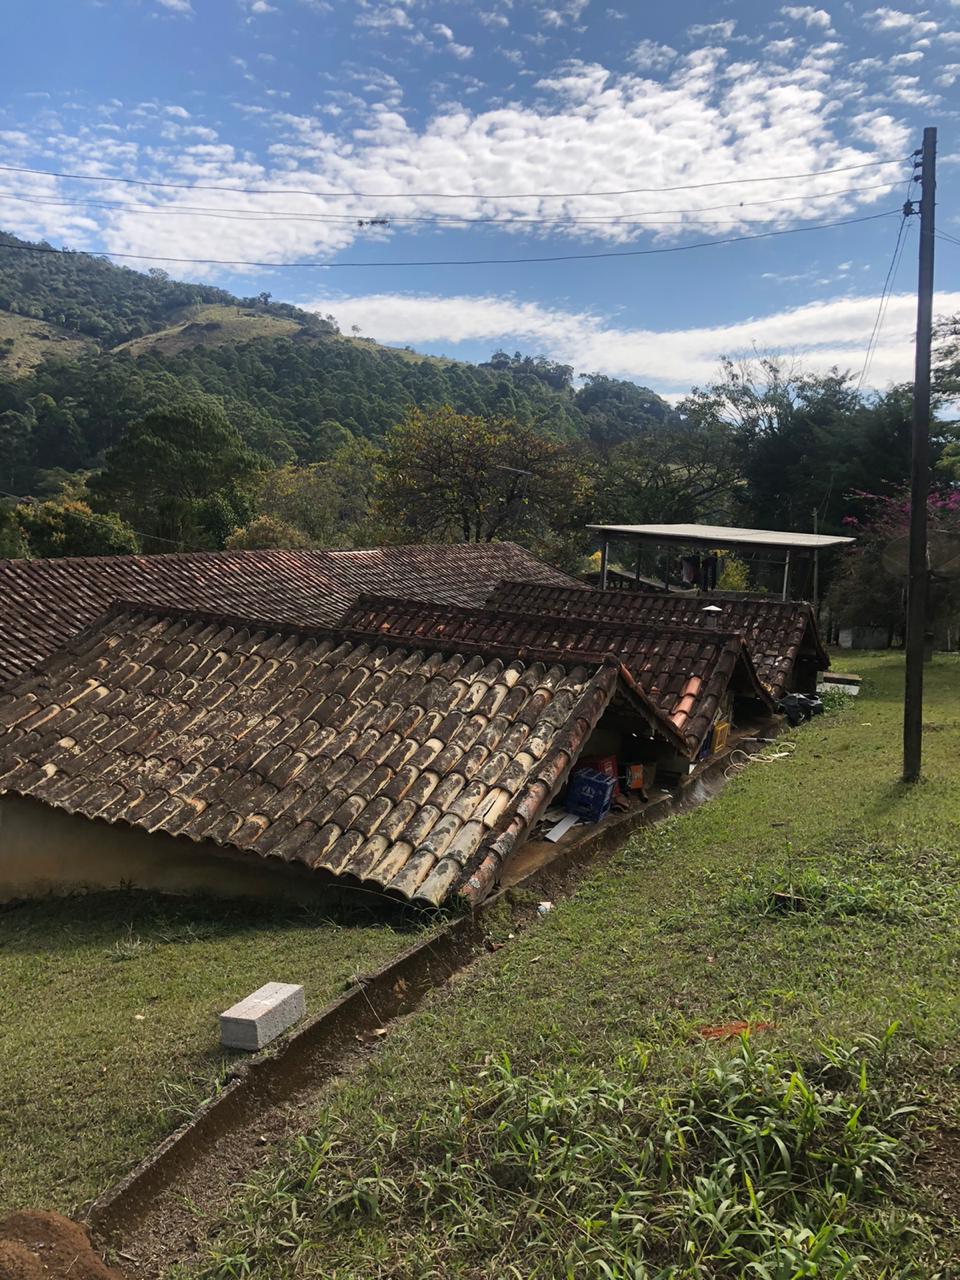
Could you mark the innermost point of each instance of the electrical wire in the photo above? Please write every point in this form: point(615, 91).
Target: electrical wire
point(32, 501)
point(945, 235)
point(739, 180)
point(457, 262)
point(280, 215)
point(884, 299)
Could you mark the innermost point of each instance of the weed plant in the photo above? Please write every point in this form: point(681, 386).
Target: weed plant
point(759, 1167)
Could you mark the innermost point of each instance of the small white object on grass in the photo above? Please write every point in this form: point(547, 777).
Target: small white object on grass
point(262, 1016)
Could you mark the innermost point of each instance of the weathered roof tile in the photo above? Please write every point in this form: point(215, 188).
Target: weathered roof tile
point(658, 661)
point(413, 757)
point(777, 631)
point(44, 602)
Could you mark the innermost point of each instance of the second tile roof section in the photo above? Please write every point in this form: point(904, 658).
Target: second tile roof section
point(681, 674)
point(777, 631)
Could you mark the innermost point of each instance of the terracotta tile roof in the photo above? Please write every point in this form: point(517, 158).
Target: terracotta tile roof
point(678, 674)
point(777, 631)
point(44, 602)
point(411, 771)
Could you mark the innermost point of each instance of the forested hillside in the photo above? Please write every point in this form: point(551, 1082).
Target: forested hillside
point(294, 387)
point(139, 412)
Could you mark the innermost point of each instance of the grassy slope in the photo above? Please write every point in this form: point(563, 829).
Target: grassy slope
point(229, 325)
point(669, 937)
point(216, 325)
point(109, 1021)
point(34, 342)
point(412, 357)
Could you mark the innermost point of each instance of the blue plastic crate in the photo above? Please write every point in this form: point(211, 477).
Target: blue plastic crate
point(589, 794)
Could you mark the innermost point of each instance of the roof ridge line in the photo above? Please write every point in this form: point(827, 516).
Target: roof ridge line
point(369, 599)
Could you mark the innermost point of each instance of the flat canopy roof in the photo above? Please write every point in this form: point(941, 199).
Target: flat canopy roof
point(722, 536)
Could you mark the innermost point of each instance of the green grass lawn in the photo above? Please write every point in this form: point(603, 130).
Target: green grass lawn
point(556, 1112)
point(108, 1020)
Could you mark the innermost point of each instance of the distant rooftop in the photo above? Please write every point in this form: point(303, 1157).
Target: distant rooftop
point(723, 536)
point(44, 602)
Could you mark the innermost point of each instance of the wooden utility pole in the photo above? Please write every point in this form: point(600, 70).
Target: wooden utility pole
point(920, 471)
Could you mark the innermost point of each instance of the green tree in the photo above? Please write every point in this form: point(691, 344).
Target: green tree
point(16, 448)
point(803, 440)
point(463, 477)
point(178, 474)
point(869, 588)
point(69, 527)
point(682, 471)
point(263, 533)
point(946, 360)
point(13, 545)
point(328, 503)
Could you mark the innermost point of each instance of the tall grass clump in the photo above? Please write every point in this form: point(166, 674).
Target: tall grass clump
point(758, 1167)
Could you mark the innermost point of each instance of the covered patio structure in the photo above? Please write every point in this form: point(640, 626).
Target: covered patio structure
point(783, 547)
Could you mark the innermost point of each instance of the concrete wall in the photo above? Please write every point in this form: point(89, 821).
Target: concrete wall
point(864, 638)
point(45, 850)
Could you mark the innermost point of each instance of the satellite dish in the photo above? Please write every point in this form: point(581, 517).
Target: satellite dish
point(943, 555)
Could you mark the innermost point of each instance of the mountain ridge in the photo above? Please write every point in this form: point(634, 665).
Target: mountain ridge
point(94, 347)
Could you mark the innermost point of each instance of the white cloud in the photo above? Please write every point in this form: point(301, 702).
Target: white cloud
point(898, 22)
point(587, 129)
point(713, 30)
point(176, 6)
point(568, 11)
point(383, 17)
point(180, 112)
point(907, 89)
point(808, 14)
point(491, 18)
point(461, 51)
point(821, 334)
point(905, 59)
point(651, 56)
point(948, 75)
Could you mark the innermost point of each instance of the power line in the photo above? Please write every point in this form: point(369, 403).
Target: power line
point(31, 501)
point(457, 262)
point(280, 215)
point(447, 195)
point(944, 235)
point(884, 298)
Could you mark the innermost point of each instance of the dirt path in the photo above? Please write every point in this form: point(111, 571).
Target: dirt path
point(162, 1211)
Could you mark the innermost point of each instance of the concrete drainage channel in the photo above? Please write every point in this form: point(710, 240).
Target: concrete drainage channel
point(150, 1218)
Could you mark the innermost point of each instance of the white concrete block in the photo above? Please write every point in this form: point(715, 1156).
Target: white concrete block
point(262, 1016)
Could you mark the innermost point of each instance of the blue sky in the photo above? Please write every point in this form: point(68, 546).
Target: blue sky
point(521, 111)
